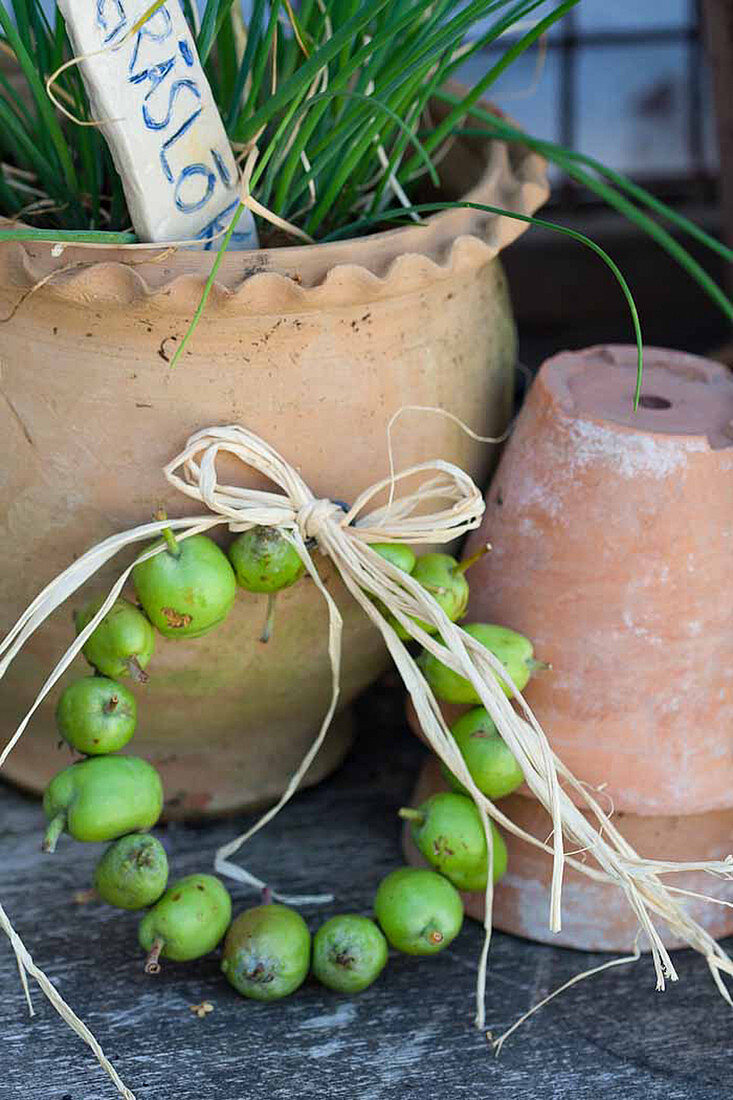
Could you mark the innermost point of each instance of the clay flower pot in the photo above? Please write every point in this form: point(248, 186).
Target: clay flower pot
point(314, 348)
point(611, 535)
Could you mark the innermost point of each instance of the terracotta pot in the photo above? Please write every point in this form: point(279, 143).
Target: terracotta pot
point(595, 916)
point(612, 535)
point(313, 348)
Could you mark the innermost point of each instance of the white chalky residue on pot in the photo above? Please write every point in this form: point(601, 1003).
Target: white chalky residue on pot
point(637, 629)
point(629, 453)
point(527, 526)
point(540, 489)
point(533, 493)
point(673, 705)
point(639, 611)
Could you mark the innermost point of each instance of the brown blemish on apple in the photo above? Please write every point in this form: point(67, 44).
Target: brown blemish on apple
point(175, 619)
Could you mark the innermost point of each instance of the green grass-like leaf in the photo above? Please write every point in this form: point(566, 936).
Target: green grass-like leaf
point(433, 208)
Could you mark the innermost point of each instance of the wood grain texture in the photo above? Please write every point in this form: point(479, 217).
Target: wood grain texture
point(410, 1035)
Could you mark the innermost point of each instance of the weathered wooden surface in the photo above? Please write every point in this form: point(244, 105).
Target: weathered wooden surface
point(410, 1035)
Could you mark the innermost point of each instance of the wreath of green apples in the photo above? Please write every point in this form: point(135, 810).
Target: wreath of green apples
point(184, 591)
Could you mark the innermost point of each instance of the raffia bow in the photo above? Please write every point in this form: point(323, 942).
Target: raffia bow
point(446, 505)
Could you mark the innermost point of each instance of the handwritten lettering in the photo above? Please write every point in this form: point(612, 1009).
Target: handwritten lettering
point(153, 88)
point(190, 172)
point(221, 168)
point(167, 171)
point(193, 184)
point(102, 20)
point(211, 233)
point(157, 29)
point(173, 92)
point(156, 74)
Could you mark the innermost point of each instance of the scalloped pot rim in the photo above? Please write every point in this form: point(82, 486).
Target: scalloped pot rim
point(383, 265)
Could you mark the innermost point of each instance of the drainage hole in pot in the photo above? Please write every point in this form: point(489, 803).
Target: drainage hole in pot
point(651, 401)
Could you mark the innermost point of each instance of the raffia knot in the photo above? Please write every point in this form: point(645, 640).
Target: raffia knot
point(314, 514)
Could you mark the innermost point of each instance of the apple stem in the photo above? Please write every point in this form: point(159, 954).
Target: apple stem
point(111, 704)
point(53, 832)
point(266, 895)
point(137, 673)
point(152, 966)
point(466, 565)
point(537, 666)
point(171, 540)
point(270, 619)
point(412, 815)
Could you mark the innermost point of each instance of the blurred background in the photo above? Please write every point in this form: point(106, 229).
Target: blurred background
point(646, 86)
point(627, 82)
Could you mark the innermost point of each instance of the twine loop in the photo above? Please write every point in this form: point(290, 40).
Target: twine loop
point(297, 510)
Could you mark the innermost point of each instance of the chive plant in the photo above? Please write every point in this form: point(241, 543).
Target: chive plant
point(337, 96)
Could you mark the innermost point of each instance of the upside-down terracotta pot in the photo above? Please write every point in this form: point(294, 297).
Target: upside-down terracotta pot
point(314, 348)
point(612, 534)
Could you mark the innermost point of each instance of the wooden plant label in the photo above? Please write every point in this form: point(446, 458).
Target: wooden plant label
point(159, 118)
